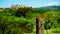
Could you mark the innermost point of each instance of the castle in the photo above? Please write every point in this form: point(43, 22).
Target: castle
point(19, 6)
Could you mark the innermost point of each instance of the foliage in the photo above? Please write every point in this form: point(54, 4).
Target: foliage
point(14, 20)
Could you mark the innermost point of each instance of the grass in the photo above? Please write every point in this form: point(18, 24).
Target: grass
point(52, 30)
point(56, 30)
point(47, 32)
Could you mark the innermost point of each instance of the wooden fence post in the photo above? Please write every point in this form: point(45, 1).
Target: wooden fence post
point(40, 26)
point(36, 25)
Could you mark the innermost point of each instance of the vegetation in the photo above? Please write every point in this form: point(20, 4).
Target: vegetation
point(21, 20)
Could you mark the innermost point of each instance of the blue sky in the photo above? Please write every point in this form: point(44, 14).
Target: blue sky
point(33, 3)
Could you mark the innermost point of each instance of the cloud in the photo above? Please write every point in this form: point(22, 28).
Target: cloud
point(51, 3)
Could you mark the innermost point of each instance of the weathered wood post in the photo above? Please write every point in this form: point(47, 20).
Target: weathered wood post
point(39, 26)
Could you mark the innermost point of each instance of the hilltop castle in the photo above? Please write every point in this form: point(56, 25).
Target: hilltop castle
point(19, 6)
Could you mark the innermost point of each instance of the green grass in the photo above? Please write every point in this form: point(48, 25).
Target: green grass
point(56, 30)
point(52, 30)
point(47, 32)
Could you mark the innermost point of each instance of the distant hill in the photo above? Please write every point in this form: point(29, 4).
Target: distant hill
point(49, 8)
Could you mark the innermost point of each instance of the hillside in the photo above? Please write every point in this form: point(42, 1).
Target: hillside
point(49, 8)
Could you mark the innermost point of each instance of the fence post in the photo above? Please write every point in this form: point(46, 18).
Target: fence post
point(36, 25)
point(39, 26)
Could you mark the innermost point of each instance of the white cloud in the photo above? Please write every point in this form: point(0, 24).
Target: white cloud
point(51, 3)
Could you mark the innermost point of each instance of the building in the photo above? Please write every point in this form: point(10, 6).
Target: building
point(19, 6)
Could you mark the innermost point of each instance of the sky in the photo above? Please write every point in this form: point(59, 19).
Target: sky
point(32, 3)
